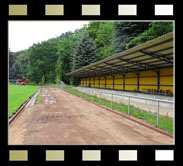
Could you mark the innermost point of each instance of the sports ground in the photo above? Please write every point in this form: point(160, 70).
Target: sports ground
point(61, 118)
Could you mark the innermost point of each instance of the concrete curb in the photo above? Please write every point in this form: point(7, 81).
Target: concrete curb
point(32, 101)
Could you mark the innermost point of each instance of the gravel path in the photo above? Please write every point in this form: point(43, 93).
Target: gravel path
point(64, 119)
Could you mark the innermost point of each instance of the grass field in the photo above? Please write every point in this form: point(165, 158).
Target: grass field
point(165, 123)
point(18, 94)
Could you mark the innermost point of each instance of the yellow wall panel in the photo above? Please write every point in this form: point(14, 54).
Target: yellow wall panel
point(118, 87)
point(109, 82)
point(130, 87)
point(147, 73)
point(166, 71)
point(118, 79)
point(131, 81)
point(144, 88)
point(167, 88)
point(130, 75)
point(102, 82)
point(109, 77)
point(166, 80)
point(148, 78)
point(96, 82)
point(87, 82)
point(91, 81)
point(82, 82)
point(118, 76)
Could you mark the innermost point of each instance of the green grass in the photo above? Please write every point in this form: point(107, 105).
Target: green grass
point(18, 94)
point(165, 123)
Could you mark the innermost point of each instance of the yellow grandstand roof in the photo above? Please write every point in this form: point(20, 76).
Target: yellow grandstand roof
point(152, 55)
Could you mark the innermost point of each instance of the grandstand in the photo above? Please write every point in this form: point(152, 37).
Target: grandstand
point(146, 68)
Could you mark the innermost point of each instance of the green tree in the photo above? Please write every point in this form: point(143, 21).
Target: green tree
point(51, 60)
point(12, 59)
point(93, 29)
point(84, 52)
point(125, 32)
point(103, 40)
point(15, 70)
point(42, 61)
point(64, 61)
point(23, 60)
point(155, 30)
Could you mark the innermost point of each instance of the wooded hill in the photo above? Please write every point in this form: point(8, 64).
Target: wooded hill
point(49, 61)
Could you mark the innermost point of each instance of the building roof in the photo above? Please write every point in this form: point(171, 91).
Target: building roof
point(152, 55)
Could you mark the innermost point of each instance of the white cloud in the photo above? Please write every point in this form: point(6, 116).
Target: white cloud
point(22, 34)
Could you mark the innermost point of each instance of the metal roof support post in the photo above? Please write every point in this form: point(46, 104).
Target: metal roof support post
point(99, 82)
point(123, 82)
point(94, 82)
point(158, 81)
point(105, 82)
point(138, 77)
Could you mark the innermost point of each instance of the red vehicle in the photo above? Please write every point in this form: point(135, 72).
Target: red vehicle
point(22, 81)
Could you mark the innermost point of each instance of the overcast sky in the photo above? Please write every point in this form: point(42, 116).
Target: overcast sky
point(22, 34)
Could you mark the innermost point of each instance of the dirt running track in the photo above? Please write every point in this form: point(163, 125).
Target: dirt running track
point(64, 119)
